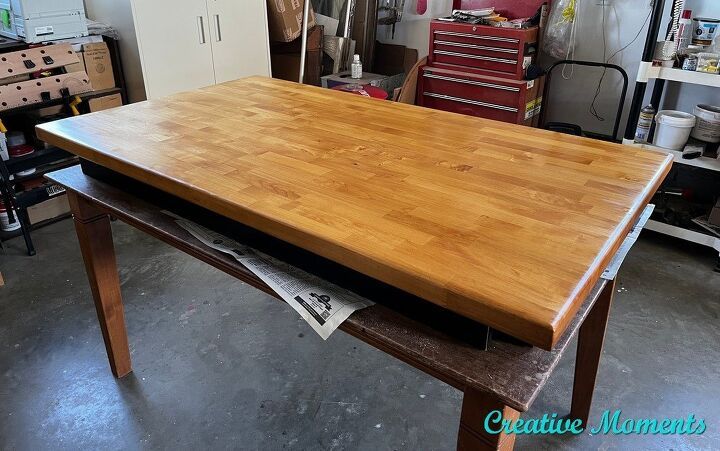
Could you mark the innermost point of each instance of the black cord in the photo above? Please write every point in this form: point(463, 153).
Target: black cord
point(593, 109)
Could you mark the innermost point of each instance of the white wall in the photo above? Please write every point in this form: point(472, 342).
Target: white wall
point(118, 13)
point(570, 99)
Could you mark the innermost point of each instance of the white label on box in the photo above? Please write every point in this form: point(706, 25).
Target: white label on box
point(530, 84)
point(43, 31)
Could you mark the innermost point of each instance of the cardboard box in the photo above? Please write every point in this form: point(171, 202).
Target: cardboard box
point(99, 65)
point(285, 58)
point(77, 67)
point(105, 102)
point(285, 19)
point(50, 209)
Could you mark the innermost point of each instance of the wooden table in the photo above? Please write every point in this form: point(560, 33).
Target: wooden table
point(500, 224)
point(506, 225)
point(507, 377)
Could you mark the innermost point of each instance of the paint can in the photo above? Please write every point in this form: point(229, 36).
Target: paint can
point(707, 127)
point(5, 224)
point(704, 30)
point(17, 146)
point(647, 115)
point(673, 129)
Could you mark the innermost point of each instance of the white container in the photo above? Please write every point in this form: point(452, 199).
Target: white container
point(705, 30)
point(5, 225)
point(708, 62)
point(673, 129)
point(707, 127)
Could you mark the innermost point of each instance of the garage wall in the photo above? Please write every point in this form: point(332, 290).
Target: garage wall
point(570, 99)
point(118, 13)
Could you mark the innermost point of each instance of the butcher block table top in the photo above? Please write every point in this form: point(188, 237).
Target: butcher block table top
point(504, 224)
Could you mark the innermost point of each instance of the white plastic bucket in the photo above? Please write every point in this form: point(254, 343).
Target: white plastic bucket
point(673, 129)
point(707, 127)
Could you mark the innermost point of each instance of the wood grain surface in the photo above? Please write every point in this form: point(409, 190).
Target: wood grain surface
point(507, 225)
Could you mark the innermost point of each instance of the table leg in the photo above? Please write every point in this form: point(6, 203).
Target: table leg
point(92, 225)
point(589, 350)
point(473, 435)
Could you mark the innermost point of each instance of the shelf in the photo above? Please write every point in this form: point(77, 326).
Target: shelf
point(56, 102)
point(37, 158)
point(711, 164)
point(684, 234)
point(44, 169)
point(648, 71)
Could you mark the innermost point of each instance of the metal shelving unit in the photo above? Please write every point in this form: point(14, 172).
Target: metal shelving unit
point(711, 164)
point(660, 76)
point(45, 160)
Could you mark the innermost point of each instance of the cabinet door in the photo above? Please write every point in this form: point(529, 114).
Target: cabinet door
point(239, 38)
point(174, 42)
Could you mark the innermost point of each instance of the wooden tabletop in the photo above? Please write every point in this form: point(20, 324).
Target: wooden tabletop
point(504, 224)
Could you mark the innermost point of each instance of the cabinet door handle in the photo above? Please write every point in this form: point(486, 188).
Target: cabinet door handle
point(218, 35)
point(201, 29)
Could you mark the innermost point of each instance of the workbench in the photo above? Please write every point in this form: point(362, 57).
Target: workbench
point(501, 225)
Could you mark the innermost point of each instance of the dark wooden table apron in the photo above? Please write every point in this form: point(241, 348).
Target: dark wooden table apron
point(507, 376)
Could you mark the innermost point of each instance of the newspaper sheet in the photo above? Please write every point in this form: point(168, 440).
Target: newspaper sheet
point(321, 304)
point(613, 267)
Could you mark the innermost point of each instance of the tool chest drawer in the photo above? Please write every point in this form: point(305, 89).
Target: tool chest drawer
point(502, 99)
point(503, 52)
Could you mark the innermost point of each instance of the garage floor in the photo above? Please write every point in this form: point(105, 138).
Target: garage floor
point(221, 365)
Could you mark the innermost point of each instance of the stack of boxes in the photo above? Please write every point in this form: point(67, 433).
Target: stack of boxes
point(480, 70)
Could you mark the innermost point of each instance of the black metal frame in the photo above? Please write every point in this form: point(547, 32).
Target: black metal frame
point(641, 86)
point(573, 128)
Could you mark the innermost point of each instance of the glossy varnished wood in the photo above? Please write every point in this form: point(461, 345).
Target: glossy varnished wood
point(504, 224)
point(508, 374)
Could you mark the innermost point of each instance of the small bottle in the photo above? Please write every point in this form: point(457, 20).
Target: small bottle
point(356, 67)
point(645, 121)
point(690, 62)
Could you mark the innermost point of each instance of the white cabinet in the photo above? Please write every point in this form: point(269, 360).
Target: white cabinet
point(234, 23)
point(188, 44)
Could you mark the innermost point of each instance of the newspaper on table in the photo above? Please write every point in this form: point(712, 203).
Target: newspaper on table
point(322, 304)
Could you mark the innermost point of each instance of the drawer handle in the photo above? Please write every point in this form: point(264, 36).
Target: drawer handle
point(471, 82)
point(471, 102)
point(477, 47)
point(478, 36)
point(476, 57)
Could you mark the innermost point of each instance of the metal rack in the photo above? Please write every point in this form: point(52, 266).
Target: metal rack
point(660, 76)
point(44, 160)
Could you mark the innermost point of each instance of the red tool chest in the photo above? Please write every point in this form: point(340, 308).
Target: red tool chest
point(484, 49)
point(501, 99)
point(479, 70)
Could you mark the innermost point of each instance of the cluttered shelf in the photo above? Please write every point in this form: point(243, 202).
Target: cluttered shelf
point(648, 71)
point(56, 102)
point(54, 166)
point(712, 164)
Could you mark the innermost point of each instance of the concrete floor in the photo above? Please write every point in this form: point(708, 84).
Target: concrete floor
point(220, 365)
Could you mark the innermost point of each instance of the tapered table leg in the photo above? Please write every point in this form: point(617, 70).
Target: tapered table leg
point(589, 350)
point(473, 435)
point(95, 235)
